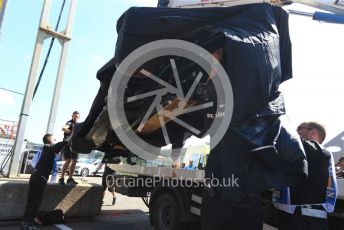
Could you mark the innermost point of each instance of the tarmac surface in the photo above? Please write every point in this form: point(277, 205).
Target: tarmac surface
point(127, 214)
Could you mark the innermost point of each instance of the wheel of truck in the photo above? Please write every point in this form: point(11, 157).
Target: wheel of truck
point(166, 214)
point(84, 172)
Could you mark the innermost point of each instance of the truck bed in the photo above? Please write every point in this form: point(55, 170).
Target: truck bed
point(136, 170)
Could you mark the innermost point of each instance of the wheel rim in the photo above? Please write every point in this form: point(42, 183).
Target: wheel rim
point(84, 172)
point(166, 213)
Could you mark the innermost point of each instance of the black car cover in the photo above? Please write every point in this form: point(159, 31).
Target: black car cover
point(258, 147)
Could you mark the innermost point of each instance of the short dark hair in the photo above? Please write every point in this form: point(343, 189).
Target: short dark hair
point(76, 112)
point(320, 129)
point(46, 137)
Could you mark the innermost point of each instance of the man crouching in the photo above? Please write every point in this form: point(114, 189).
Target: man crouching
point(38, 180)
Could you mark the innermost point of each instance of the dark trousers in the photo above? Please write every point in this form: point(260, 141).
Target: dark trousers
point(219, 214)
point(108, 179)
point(36, 188)
point(297, 221)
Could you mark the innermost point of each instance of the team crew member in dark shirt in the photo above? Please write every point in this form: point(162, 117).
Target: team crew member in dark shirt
point(309, 214)
point(70, 157)
point(39, 178)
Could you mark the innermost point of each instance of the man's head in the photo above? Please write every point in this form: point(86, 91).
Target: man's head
point(190, 162)
point(312, 131)
point(75, 116)
point(48, 139)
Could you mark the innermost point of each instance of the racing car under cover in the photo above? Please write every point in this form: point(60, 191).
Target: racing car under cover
point(253, 46)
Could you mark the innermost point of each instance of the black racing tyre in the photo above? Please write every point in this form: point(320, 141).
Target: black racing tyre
point(166, 214)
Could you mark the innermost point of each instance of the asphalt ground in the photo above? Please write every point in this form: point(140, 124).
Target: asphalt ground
point(127, 214)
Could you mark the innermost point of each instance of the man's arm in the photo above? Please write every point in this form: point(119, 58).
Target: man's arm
point(66, 127)
point(58, 146)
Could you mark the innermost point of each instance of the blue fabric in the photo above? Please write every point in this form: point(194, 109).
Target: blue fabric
point(190, 167)
point(36, 158)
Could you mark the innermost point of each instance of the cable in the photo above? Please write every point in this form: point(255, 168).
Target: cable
point(12, 91)
point(48, 54)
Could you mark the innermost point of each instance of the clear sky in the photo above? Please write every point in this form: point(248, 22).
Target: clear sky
point(93, 44)
point(315, 93)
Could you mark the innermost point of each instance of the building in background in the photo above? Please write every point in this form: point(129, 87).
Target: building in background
point(8, 131)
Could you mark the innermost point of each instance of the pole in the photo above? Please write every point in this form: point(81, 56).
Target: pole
point(59, 79)
point(44, 32)
point(23, 116)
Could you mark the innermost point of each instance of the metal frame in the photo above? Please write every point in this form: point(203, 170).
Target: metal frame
point(44, 32)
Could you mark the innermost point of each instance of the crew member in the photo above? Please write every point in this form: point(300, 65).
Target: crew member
point(38, 180)
point(70, 157)
point(305, 206)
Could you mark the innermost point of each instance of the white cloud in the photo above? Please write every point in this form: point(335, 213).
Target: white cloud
point(6, 98)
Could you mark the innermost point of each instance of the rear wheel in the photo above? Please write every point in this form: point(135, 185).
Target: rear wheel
point(84, 172)
point(166, 214)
